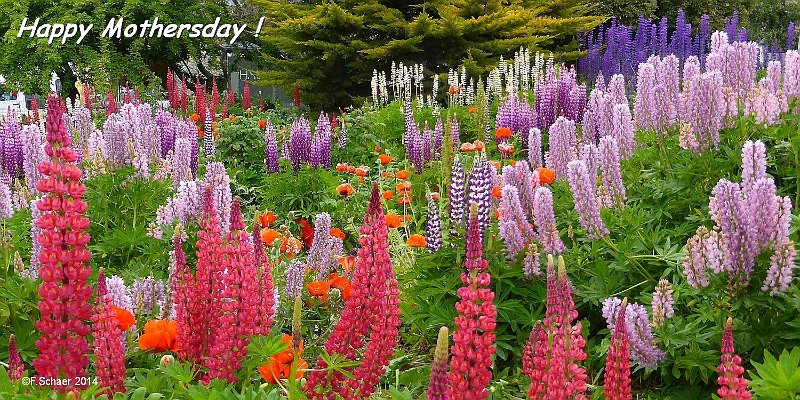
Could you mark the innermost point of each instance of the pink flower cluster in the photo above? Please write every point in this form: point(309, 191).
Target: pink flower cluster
point(617, 378)
point(65, 293)
point(108, 349)
point(473, 340)
point(15, 366)
point(367, 331)
point(732, 385)
point(554, 350)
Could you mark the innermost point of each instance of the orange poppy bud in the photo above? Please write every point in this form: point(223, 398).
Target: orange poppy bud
point(195, 117)
point(546, 175)
point(347, 262)
point(388, 194)
point(384, 159)
point(402, 174)
point(318, 288)
point(378, 149)
point(479, 145)
point(502, 133)
point(262, 124)
point(232, 118)
point(416, 240)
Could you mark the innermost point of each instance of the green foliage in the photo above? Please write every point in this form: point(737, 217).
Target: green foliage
point(330, 49)
point(777, 379)
point(30, 61)
point(769, 20)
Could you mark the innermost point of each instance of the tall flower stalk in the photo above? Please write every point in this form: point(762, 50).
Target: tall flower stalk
point(439, 386)
point(64, 306)
point(474, 338)
point(732, 385)
point(617, 378)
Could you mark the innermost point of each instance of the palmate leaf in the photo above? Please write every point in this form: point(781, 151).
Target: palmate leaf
point(777, 379)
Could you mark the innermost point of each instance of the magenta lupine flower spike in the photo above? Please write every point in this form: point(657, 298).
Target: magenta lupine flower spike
point(733, 386)
point(439, 386)
point(266, 287)
point(15, 366)
point(367, 331)
point(617, 377)
point(555, 346)
point(108, 347)
point(473, 340)
point(642, 344)
point(64, 307)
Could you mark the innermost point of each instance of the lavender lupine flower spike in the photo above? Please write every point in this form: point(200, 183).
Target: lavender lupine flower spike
point(583, 190)
point(663, 303)
point(294, 279)
point(458, 194)
point(609, 164)
point(643, 347)
point(513, 225)
point(300, 146)
point(535, 148)
point(271, 159)
point(563, 146)
point(319, 256)
point(433, 226)
point(545, 221)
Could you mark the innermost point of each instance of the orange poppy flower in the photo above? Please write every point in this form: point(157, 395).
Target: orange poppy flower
point(361, 171)
point(472, 110)
point(416, 240)
point(386, 174)
point(496, 192)
point(232, 118)
point(502, 133)
point(351, 169)
point(402, 174)
point(267, 219)
point(393, 221)
point(384, 159)
point(268, 236)
point(200, 132)
point(347, 262)
point(467, 147)
point(506, 148)
point(388, 194)
point(272, 371)
point(336, 232)
point(435, 196)
point(344, 190)
point(546, 175)
point(318, 288)
point(291, 246)
point(195, 117)
point(479, 145)
point(403, 187)
point(378, 149)
point(287, 356)
point(159, 335)
point(337, 282)
point(404, 200)
point(346, 291)
point(125, 319)
point(262, 124)
point(341, 167)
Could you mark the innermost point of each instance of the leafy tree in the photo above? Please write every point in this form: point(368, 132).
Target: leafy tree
point(770, 18)
point(329, 49)
point(30, 61)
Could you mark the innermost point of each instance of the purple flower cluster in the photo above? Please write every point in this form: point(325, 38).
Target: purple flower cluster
point(516, 114)
point(526, 181)
point(119, 293)
point(148, 296)
point(737, 63)
point(584, 195)
point(703, 111)
point(480, 187)
point(325, 247)
point(657, 94)
point(749, 218)
point(563, 146)
point(791, 74)
point(571, 95)
point(513, 224)
point(765, 104)
point(663, 303)
point(209, 149)
point(11, 147)
point(300, 143)
point(643, 347)
point(545, 221)
point(271, 158)
point(32, 155)
point(187, 202)
point(433, 226)
point(413, 139)
point(182, 162)
point(438, 137)
point(609, 150)
point(294, 279)
point(458, 194)
point(535, 148)
point(320, 156)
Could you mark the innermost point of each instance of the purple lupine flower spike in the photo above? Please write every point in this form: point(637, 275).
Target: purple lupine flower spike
point(433, 226)
point(480, 187)
point(458, 194)
point(271, 158)
point(584, 195)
